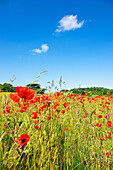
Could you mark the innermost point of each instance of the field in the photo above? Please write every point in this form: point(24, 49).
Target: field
point(55, 131)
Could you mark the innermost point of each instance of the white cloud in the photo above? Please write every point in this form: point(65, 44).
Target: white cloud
point(37, 51)
point(44, 48)
point(69, 22)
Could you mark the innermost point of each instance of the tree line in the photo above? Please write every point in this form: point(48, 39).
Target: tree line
point(7, 87)
point(99, 91)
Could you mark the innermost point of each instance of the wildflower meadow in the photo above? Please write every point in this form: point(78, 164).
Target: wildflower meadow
point(55, 131)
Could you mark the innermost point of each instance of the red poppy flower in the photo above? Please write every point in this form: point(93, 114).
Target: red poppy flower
point(49, 116)
point(100, 116)
point(34, 115)
point(37, 127)
point(66, 129)
point(102, 138)
point(22, 110)
point(107, 154)
point(109, 124)
point(15, 97)
point(107, 103)
point(98, 125)
point(25, 92)
point(105, 116)
point(94, 113)
point(63, 111)
point(66, 104)
point(22, 142)
point(108, 136)
point(109, 133)
point(56, 103)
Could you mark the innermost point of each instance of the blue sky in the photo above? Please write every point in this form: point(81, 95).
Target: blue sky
point(69, 38)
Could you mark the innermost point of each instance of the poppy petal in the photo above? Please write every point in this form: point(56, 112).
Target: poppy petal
point(15, 97)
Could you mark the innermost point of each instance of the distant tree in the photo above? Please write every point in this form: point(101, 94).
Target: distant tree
point(110, 92)
point(1, 86)
point(36, 87)
point(64, 90)
point(6, 87)
point(33, 86)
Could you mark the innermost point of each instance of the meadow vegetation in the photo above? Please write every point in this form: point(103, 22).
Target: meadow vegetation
point(55, 131)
